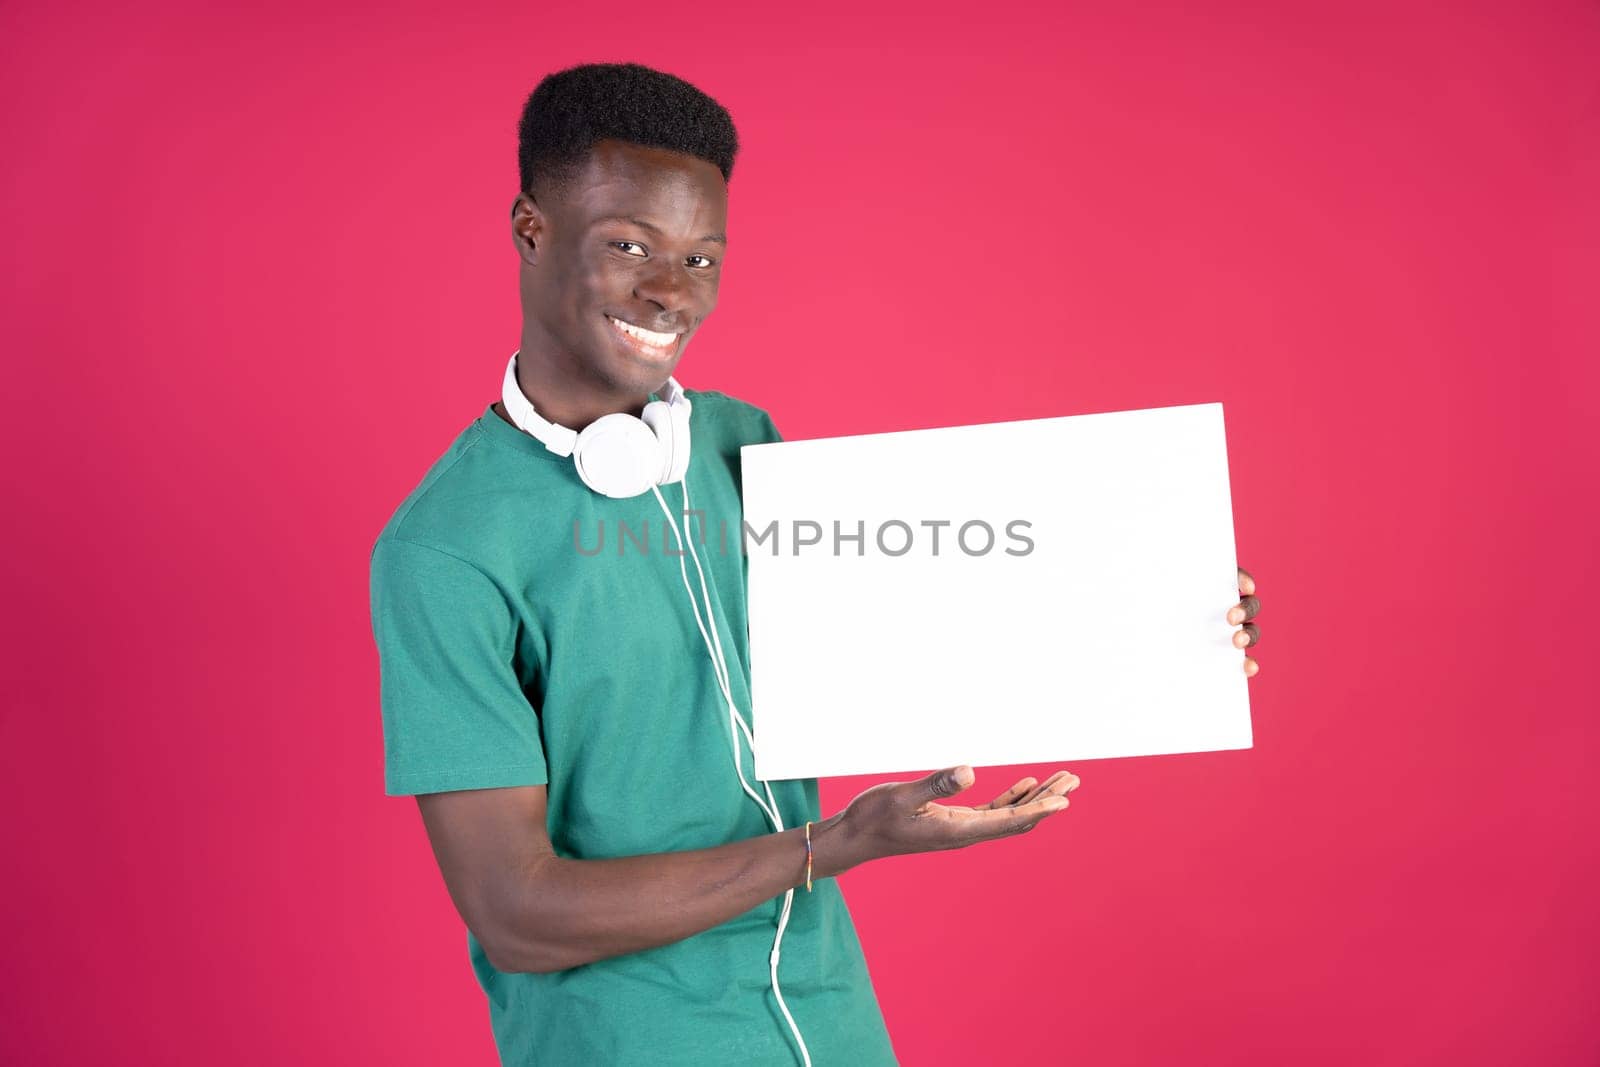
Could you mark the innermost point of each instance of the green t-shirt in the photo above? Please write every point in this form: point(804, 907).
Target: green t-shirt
point(531, 631)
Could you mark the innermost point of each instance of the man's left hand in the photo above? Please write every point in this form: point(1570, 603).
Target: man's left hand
point(1249, 607)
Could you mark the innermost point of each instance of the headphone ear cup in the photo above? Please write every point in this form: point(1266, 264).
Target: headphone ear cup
point(618, 456)
point(658, 416)
point(671, 424)
point(681, 440)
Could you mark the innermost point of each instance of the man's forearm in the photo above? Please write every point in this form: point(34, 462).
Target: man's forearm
point(564, 912)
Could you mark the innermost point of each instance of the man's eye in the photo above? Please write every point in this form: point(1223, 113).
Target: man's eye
point(625, 245)
point(705, 261)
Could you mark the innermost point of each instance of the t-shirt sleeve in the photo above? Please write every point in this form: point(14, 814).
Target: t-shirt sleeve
point(767, 429)
point(454, 713)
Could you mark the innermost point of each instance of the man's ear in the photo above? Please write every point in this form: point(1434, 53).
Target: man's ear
point(527, 228)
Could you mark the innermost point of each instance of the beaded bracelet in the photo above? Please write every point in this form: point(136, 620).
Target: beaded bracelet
point(808, 857)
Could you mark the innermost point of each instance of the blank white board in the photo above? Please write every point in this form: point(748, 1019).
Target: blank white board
point(1092, 624)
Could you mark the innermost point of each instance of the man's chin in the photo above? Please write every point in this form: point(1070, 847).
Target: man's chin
point(644, 376)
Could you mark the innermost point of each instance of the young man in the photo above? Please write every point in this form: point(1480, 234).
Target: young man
point(559, 711)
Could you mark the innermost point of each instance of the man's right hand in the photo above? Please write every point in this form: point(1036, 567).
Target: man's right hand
point(896, 818)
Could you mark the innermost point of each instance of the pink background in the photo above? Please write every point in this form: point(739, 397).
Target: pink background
point(258, 273)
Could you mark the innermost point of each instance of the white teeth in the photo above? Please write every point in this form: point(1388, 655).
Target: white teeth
point(649, 337)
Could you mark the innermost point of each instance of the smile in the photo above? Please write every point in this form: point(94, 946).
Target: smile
point(647, 340)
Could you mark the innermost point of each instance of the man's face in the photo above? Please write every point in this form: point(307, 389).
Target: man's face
point(633, 243)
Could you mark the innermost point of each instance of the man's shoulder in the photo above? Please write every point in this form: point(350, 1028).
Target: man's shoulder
point(739, 420)
point(465, 501)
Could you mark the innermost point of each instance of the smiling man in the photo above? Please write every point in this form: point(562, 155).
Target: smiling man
point(567, 719)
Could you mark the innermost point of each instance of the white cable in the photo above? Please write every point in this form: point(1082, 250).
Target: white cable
point(719, 668)
point(721, 655)
point(788, 897)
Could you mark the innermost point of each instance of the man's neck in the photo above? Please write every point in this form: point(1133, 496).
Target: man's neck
point(563, 397)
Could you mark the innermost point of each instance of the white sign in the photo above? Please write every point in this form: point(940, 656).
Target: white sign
point(1017, 592)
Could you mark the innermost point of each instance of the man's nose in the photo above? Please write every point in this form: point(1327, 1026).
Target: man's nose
point(667, 286)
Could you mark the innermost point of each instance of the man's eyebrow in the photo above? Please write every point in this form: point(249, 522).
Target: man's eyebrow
point(719, 238)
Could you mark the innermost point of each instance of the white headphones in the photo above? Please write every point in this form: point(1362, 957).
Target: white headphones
point(617, 455)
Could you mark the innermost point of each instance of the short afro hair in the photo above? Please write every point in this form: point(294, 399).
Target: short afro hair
point(572, 109)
